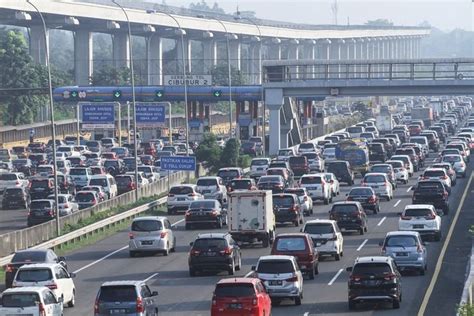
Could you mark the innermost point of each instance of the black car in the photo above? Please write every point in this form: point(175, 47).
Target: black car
point(229, 174)
point(431, 192)
point(23, 165)
point(205, 212)
point(249, 148)
point(214, 252)
point(341, 170)
point(23, 257)
point(125, 183)
point(114, 166)
point(286, 207)
point(41, 187)
point(15, 197)
point(374, 279)
point(365, 196)
point(274, 183)
point(377, 152)
point(41, 211)
point(350, 216)
point(241, 184)
point(38, 159)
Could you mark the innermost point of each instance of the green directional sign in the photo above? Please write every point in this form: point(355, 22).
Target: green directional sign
point(74, 94)
point(217, 93)
point(117, 94)
point(159, 94)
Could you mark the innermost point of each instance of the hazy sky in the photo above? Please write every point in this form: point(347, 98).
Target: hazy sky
point(446, 14)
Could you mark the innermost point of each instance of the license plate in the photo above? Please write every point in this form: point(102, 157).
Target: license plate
point(117, 311)
point(181, 199)
point(275, 282)
point(418, 226)
point(210, 254)
point(402, 254)
point(235, 306)
point(147, 242)
point(259, 169)
point(206, 191)
point(318, 244)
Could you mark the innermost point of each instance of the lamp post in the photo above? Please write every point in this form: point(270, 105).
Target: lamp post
point(132, 74)
point(181, 32)
point(51, 110)
point(229, 69)
point(239, 17)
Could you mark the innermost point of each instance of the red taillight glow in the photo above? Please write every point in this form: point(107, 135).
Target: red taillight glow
point(292, 279)
point(431, 216)
point(356, 278)
point(406, 218)
point(41, 309)
point(140, 307)
point(131, 235)
point(8, 268)
point(214, 301)
point(195, 252)
point(389, 277)
point(52, 286)
point(163, 234)
point(226, 251)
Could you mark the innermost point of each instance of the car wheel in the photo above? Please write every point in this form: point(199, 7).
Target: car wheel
point(437, 236)
point(361, 231)
point(296, 223)
point(337, 257)
point(298, 300)
point(239, 265)
point(72, 302)
point(422, 271)
point(192, 272)
point(311, 274)
point(219, 223)
point(187, 226)
point(265, 242)
point(316, 268)
point(132, 254)
point(326, 201)
point(167, 250)
point(352, 305)
point(396, 304)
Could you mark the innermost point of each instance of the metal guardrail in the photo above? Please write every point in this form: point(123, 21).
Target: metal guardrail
point(408, 69)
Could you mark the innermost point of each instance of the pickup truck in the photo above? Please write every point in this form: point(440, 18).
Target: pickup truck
point(31, 301)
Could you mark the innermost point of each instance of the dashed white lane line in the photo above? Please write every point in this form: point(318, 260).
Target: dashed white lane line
point(398, 202)
point(112, 253)
point(335, 277)
point(306, 314)
point(362, 245)
point(409, 189)
point(381, 221)
point(150, 277)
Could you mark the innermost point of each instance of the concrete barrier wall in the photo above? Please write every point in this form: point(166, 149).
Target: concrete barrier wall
point(25, 238)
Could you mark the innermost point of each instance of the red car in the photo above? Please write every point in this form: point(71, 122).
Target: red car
point(240, 296)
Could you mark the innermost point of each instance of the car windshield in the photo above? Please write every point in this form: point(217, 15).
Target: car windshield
point(202, 204)
point(29, 256)
point(361, 191)
point(321, 228)
point(78, 172)
point(235, 290)
point(181, 190)
point(283, 201)
point(395, 164)
point(382, 169)
point(275, 266)
point(344, 208)
point(13, 192)
point(310, 155)
point(404, 159)
point(429, 186)
point(422, 141)
point(240, 184)
point(452, 159)
point(400, 241)
point(124, 180)
point(297, 160)
point(40, 204)
point(374, 179)
point(306, 146)
point(146, 225)
point(290, 244)
point(259, 162)
point(248, 145)
point(20, 300)
point(228, 173)
point(33, 275)
point(209, 243)
point(372, 268)
point(84, 196)
point(206, 182)
point(434, 173)
point(118, 293)
point(269, 180)
point(355, 129)
point(8, 177)
point(417, 212)
point(311, 180)
point(99, 181)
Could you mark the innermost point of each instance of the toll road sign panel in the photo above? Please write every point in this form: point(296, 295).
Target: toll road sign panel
point(97, 115)
point(150, 114)
point(181, 163)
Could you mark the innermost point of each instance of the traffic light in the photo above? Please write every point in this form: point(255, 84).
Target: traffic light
point(159, 94)
point(217, 93)
point(117, 94)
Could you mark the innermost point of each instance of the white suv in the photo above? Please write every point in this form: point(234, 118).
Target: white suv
point(326, 236)
point(421, 218)
point(50, 275)
point(317, 187)
point(212, 188)
point(180, 197)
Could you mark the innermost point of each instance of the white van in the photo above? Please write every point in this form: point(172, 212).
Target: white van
point(107, 182)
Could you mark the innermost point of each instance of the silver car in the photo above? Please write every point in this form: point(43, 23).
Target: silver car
point(180, 196)
point(407, 249)
point(281, 276)
point(66, 204)
point(457, 162)
point(151, 234)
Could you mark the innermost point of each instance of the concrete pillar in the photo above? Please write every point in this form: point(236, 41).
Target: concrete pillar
point(37, 45)
point(362, 55)
point(274, 49)
point(309, 53)
point(121, 52)
point(235, 54)
point(274, 102)
point(293, 55)
point(418, 47)
point(187, 54)
point(325, 49)
point(83, 57)
point(256, 61)
point(154, 56)
point(210, 54)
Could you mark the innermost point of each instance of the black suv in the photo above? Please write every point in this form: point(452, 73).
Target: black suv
point(41, 211)
point(349, 216)
point(286, 207)
point(214, 252)
point(377, 152)
point(374, 279)
point(365, 196)
point(41, 187)
point(15, 197)
point(342, 170)
point(431, 192)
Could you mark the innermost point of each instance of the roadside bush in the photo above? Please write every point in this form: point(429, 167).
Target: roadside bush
point(210, 152)
point(244, 161)
point(230, 155)
point(466, 310)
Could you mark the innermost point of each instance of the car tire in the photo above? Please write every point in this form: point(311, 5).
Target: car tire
point(352, 305)
point(311, 274)
point(361, 231)
point(326, 201)
point(422, 271)
point(72, 302)
point(192, 272)
point(219, 223)
point(298, 300)
point(167, 250)
point(187, 226)
point(296, 223)
point(316, 268)
point(237, 267)
point(265, 242)
point(437, 236)
point(464, 175)
point(337, 257)
point(396, 304)
point(132, 254)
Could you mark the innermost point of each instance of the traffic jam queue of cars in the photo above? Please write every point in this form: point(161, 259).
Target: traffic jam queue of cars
point(239, 209)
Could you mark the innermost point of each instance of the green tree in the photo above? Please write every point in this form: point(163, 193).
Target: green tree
point(379, 22)
point(203, 6)
point(111, 76)
point(230, 155)
point(209, 151)
point(220, 75)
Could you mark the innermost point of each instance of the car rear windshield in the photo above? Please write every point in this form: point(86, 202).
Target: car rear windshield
point(311, 180)
point(8, 177)
point(202, 204)
point(146, 225)
point(344, 208)
point(374, 178)
point(400, 241)
point(451, 158)
point(275, 266)
point(291, 244)
point(210, 243)
point(206, 182)
point(298, 192)
point(84, 196)
point(336, 166)
point(404, 159)
point(306, 146)
point(310, 155)
point(234, 290)
point(373, 268)
point(78, 172)
point(285, 152)
point(259, 162)
point(13, 192)
point(92, 144)
point(111, 163)
point(430, 186)
point(355, 129)
point(360, 191)
point(319, 229)
point(241, 184)
point(419, 140)
point(381, 169)
point(228, 174)
point(434, 173)
point(121, 293)
point(33, 275)
point(418, 212)
point(181, 190)
point(297, 160)
point(29, 256)
point(248, 145)
point(40, 204)
point(99, 181)
point(20, 300)
point(283, 201)
point(405, 151)
point(269, 180)
point(124, 179)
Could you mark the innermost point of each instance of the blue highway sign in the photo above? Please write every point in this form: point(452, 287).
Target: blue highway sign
point(182, 163)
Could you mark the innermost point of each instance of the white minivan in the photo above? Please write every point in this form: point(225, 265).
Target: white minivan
point(107, 182)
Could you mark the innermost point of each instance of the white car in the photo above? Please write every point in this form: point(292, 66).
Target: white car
point(180, 197)
point(50, 275)
point(401, 173)
point(66, 204)
point(333, 183)
point(379, 183)
point(457, 162)
point(28, 300)
point(437, 174)
point(285, 154)
point(316, 163)
point(142, 179)
point(152, 173)
point(63, 165)
point(406, 161)
point(107, 182)
point(12, 179)
point(306, 201)
point(212, 188)
point(329, 154)
point(45, 170)
point(151, 234)
point(423, 141)
point(307, 147)
point(317, 187)
point(259, 166)
point(326, 236)
point(421, 218)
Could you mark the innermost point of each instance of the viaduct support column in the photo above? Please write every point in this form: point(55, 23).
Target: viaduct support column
point(256, 61)
point(121, 53)
point(187, 55)
point(274, 49)
point(37, 45)
point(82, 57)
point(210, 55)
point(309, 53)
point(235, 54)
point(274, 102)
point(154, 56)
point(293, 54)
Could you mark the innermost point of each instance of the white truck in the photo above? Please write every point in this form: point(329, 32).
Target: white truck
point(30, 301)
point(384, 123)
point(251, 217)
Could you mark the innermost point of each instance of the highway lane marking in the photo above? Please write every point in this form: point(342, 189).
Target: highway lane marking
point(408, 190)
point(382, 220)
point(150, 277)
point(398, 202)
point(248, 274)
point(306, 314)
point(112, 253)
point(439, 263)
point(362, 245)
point(99, 260)
point(335, 277)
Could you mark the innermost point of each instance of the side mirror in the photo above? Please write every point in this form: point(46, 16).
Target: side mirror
point(412, 188)
point(399, 213)
point(301, 230)
point(380, 243)
point(61, 259)
point(254, 268)
point(154, 293)
point(72, 275)
point(347, 194)
point(60, 299)
point(349, 269)
point(191, 243)
point(439, 212)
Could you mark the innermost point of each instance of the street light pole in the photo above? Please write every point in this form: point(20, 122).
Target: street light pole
point(53, 126)
point(132, 74)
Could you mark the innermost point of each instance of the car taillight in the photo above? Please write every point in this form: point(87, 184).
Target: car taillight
point(140, 307)
point(355, 278)
point(385, 184)
point(294, 278)
point(430, 216)
point(349, 198)
point(357, 214)
point(131, 235)
point(383, 251)
point(52, 286)
point(42, 311)
point(462, 164)
point(214, 301)
point(195, 252)
point(445, 194)
point(419, 249)
point(94, 202)
point(190, 194)
point(389, 277)
point(8, 268)
point(363, 184)
point(333, 238)
point(305, 198)
point(163, 234)
point(226, 251)
point(406, 218)
point(51, 213)
point(214, 213)
point(294, 208)
point(444, 177)
point(372, 199)
point(254, 301)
